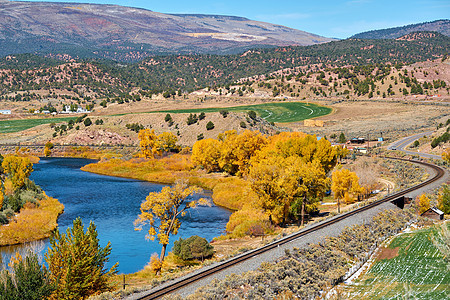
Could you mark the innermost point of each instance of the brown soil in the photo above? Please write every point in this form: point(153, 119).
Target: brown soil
point(388, 253)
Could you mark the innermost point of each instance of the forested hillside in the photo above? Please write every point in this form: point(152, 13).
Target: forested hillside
point(185, 73)
point(441, 26)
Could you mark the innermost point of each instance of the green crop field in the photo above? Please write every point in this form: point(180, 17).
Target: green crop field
point(280, 112)
point(7, 126)
point(419, 271)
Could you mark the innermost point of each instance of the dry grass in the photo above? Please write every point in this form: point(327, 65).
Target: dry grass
point(32, 223)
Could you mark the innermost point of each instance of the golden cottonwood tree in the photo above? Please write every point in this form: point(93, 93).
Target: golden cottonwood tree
point(147, 141)
point(18, 169)
point(344, 184)
point(290, 171)
point(206, 153)
point(237, 149)
point(267, 178)
point(280, 182)
point(308, 148)
point(446, 155)
point(165, 142)
point(48, 148)
point(308, 183)
point(423, 203)
point(162, 211)
point(2, 194)
point(76, 262)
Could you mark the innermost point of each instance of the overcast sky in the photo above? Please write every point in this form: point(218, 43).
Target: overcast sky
point(330, 18)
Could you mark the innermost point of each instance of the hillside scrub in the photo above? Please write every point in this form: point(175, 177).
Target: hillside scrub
point(305, 273)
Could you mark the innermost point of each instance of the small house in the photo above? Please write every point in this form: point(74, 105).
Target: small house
point(433, 213)
point(357, 141)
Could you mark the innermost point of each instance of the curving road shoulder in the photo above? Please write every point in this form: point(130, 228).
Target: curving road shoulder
point(404, 142)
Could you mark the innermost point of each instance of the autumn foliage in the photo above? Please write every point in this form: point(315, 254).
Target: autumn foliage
point(423, 203)
point(18, 169)
point(230, 153)
point(162, 212)
point(345, 186)
point(286, 173)
point(152, 144)
point(32, 223)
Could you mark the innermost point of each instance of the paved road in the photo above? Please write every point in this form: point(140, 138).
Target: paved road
point(401, 144)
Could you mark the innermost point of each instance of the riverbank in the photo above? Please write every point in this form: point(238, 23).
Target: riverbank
point(227, 191)
point(33, 223)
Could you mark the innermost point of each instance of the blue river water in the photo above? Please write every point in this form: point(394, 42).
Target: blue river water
point(113, 203)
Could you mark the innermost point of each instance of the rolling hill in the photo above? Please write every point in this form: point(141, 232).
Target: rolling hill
point(441, 26)
point(126, 33)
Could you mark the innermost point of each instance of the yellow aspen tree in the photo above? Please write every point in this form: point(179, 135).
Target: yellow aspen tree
point(345, 183)
point(206, 154)
point(147, 140)
point(162, 211)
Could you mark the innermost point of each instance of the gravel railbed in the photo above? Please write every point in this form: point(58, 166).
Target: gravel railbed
point(274, 254)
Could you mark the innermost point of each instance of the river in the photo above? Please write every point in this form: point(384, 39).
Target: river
point(113, 203)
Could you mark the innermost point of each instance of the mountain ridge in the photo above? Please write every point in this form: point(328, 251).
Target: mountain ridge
point(78, 27)
point(442, 26)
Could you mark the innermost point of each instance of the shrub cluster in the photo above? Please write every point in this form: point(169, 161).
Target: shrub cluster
point(194, 247)
point(136, 127)
point(444, 138)
point(192, 119)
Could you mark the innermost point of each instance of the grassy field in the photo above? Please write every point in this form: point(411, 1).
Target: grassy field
point(280, 112)
point(7, 126)
point(414, 266)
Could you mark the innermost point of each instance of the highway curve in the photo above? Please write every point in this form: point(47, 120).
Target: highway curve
point(402, 143)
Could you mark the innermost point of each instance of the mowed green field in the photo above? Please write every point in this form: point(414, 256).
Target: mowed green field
point(8, 126)
point(419, 271)
point(280, 112)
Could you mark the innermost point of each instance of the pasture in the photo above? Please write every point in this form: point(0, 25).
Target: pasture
point(414, 266)
point(279, 112)
point(9, 126)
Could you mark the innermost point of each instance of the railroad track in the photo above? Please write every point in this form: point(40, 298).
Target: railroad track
point(157, 293)
point(33, 146)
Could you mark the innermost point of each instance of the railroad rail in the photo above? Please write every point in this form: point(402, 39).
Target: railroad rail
point(157, 293)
